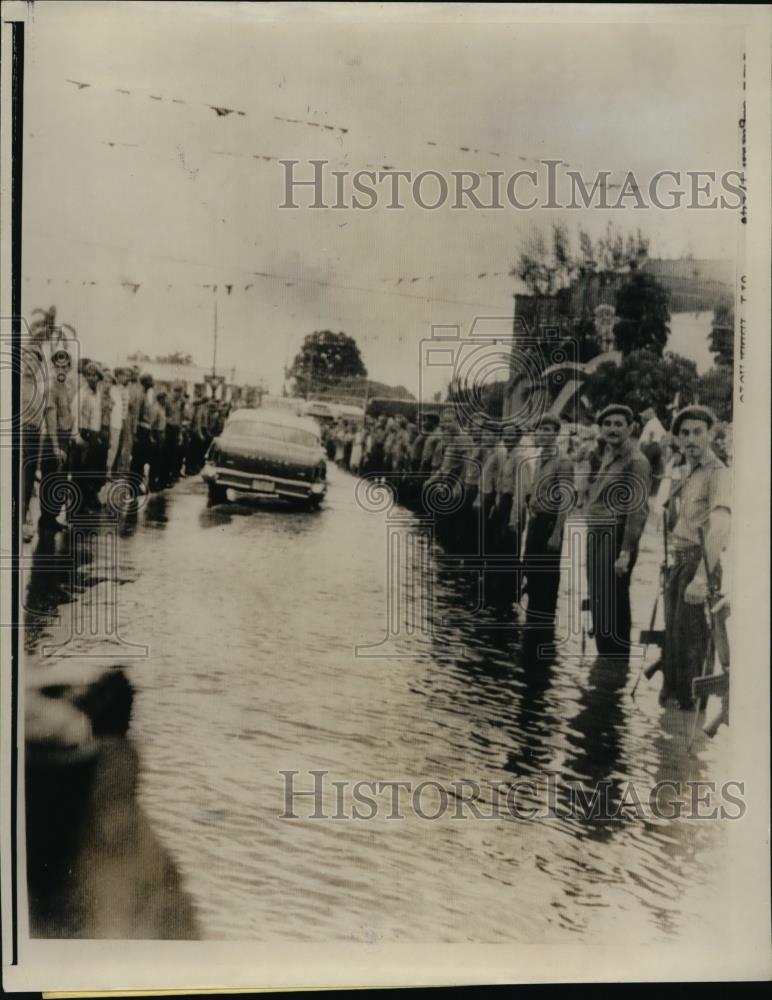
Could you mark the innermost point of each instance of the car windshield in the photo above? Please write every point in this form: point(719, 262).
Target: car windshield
point(272, 432)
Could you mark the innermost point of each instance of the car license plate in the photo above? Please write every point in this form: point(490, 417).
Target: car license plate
point(264, 485)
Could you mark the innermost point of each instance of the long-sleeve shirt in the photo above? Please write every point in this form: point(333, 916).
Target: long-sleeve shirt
point(120, 400)
point(702, 489)
point(62, 412)
point(90, 408)
point(175, 407)
point(158, 422)
point(459, 451)
point(618, 491)
point(492, 466)
point(552, 485)
point(431, 457)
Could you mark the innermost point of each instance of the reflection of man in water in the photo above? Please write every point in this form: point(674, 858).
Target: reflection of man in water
point(617, 508)
point(699, 502)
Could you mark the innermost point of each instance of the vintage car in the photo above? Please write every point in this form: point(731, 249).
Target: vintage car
point(267, 452)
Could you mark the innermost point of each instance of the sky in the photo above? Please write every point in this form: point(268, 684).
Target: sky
point(137, 193)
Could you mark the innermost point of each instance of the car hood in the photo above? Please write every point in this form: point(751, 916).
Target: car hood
point(249, 453)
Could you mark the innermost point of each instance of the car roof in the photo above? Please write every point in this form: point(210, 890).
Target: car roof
point(276, 417)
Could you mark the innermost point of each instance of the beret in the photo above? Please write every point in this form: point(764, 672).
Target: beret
point(613, 408)
point(693, 413)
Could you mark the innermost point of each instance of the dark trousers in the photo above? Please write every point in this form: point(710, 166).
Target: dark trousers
point(506, 540)
point(542, 570)
point(490, 523)
point(30, 446)
point(142, 453)
point(158, 470)
point(172, 454)
point(687, 633)
point(609, 593)
point(51, 465)
point(88, 468)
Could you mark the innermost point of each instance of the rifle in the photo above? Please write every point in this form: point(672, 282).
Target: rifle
point(708, 682)
point(652, 636)
point(716, 684)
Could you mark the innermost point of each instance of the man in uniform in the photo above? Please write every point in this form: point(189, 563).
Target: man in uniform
point(175, 407)
point(457, 452)
point(88, 443)
point(699, 511)
point(616, 505)
point(551, 498)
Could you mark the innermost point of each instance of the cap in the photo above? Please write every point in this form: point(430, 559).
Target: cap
point(693, 413)
point(613, 408)
point(93, 369)
point(549, 420)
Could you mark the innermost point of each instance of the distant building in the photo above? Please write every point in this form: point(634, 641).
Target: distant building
point(237, 387)
point(544, 325)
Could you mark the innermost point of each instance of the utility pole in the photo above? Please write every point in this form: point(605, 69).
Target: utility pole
point(214, 352)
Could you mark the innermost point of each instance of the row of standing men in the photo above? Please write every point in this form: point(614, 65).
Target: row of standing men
point(94, 424)
point(505, 497)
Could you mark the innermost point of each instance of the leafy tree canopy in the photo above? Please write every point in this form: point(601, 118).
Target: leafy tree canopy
point(643, 379)
point(326, 359)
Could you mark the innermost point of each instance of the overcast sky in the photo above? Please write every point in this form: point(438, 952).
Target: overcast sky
point(124, 189)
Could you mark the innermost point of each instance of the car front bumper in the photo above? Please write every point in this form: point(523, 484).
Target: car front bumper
point(262, 485)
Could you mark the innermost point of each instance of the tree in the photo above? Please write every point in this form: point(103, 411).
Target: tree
point(714, 389)
point(138, 356)
point(721, 336)
point(543, 270)
point(644, 316)
point(326, 359)
point(176, 358)
point(643, 379)
point(45, 327)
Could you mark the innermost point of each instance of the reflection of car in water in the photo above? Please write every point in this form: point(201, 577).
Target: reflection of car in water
point(267, 453)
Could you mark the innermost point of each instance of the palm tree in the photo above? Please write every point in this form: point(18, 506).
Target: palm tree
point(44, 328)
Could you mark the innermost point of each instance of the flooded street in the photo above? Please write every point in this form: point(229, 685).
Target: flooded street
point(252, 614)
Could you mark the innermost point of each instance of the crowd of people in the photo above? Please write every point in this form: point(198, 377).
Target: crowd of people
point(92, 424)
point(505, 495)
point(497, 492)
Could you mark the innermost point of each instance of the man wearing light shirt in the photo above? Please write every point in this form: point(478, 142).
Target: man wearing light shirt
point(699, 510)
point(87, 441)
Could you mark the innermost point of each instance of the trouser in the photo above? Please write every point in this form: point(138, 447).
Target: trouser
point(30, 448)
point(125, 448)
point(158, 471)
point(609, 592)
point(51, 465)
point(687, 633)
point(489, 520)
point(142, 452)
point(88, 466)
point(508, 541)
point(113, 448)
point(172, 453)
point(542, 570)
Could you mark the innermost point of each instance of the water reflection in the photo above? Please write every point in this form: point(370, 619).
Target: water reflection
point(252, 629)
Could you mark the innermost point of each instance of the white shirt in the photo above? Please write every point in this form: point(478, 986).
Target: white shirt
point(653, 431)
point(119, 397)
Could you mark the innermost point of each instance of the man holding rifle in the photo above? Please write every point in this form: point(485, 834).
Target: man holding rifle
point(699, 515)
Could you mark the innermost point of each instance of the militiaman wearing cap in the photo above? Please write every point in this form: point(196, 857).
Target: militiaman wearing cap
point(617, 507)
point(551, 498)
point(700, 502)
